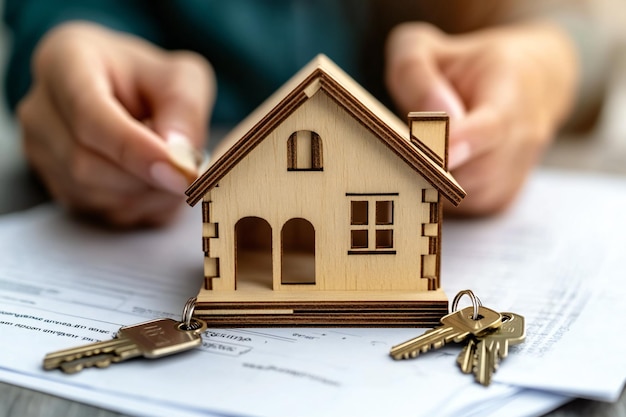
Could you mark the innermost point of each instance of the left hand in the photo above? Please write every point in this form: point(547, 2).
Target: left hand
point(507, 90)
point(104, 113)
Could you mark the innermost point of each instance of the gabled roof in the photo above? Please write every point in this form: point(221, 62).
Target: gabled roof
point(322, 73)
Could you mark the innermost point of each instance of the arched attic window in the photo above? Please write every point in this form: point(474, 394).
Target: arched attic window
point(304, 151)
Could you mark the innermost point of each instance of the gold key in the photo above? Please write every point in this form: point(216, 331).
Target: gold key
point(492, 347)
point(151, 339)
point(467, 357)
point(455, 327)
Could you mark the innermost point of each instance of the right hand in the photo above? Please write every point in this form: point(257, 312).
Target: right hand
point(506, 98)
point(100, 114)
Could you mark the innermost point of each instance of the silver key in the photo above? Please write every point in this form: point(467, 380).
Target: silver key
point(455, 327)
point(492, 347)
point(151, 339)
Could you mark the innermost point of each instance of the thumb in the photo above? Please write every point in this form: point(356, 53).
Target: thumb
point(180, 97)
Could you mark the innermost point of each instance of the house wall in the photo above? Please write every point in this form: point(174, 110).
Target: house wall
point(354, 161)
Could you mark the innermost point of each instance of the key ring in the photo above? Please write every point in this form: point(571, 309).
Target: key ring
point(476, 303)
point(188, 312)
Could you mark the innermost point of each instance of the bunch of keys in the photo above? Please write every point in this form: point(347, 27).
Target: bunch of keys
point(488, 335)
point(152, 339)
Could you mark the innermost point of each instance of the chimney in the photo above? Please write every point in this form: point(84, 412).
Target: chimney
point(429, 132)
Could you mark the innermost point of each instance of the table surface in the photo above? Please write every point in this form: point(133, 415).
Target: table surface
point(602, 150)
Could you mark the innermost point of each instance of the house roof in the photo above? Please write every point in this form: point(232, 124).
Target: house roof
point(322, 73)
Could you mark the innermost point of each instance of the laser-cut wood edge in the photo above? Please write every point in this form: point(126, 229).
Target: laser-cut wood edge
point(350, 96)
point(385, 309)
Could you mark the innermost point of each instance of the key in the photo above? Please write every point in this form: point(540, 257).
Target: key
point(467, 357)
point(492, 347)
point(152, 339)
point(483, 364)
point(455, 327)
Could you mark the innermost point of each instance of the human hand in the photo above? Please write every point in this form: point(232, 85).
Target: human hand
point(102, 117)
point(506, 89)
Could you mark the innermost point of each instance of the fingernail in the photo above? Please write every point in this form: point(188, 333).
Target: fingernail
point(458, 154)
point(168, 177)
point(452, 104)
point(182, 153)
point(449, 101)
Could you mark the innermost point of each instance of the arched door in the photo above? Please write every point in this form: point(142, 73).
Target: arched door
point(298, 252)
point(253, 254)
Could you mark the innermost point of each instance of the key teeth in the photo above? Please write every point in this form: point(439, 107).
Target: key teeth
point(405, 355)
point(77, 365)
point(70, 370)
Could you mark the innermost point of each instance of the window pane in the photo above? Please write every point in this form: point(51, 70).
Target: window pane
point(359, 239)
point(384, 212)
point(384, 239)
point(358, 212)
point(292, 152)
point(316, 151)
point(303, 149)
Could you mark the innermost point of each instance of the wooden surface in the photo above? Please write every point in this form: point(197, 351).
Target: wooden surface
point(22, 402)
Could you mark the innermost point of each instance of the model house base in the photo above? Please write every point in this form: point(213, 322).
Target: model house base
point(339, 308)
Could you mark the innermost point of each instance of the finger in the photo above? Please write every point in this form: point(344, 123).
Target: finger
point(414, 76)
point(151, 208)
point(42, 130)
point(180, 95)
point(492, 111)
point(99, 122)
point(492, 181)
point(48, 141)
point(477, 133)
point(90, 170)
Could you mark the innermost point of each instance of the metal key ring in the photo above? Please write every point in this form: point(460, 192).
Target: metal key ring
point(188, 312)
point(476, 303)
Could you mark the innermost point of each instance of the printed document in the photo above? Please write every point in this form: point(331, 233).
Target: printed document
point(554, 257)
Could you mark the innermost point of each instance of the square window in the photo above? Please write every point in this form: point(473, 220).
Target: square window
point(384, 239)
point(384, 212)
point(358, 212)
point(359, 239)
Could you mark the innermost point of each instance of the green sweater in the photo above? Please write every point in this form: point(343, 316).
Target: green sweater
point(254, 45)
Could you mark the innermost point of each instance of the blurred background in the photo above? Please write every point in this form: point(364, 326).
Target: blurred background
point(12, 165)
point(602, 148)
point(5, 120)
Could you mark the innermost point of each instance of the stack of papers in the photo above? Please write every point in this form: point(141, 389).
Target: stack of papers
point(556, 257)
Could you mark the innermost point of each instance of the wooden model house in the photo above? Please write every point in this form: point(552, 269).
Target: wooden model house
point(325, 209)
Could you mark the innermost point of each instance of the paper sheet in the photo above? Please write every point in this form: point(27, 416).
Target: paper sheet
point(554, 258)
